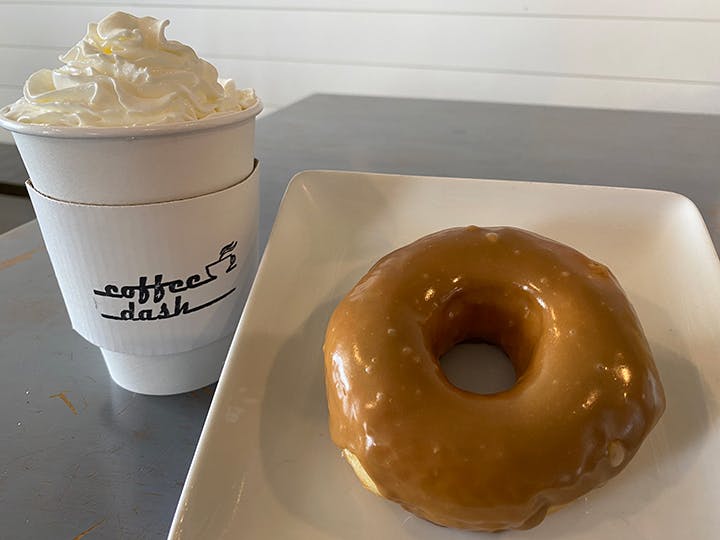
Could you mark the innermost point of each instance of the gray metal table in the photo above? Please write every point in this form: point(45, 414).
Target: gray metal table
point(82, 458)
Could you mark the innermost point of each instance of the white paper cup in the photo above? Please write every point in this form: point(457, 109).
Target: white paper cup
point(143, 164)
point(175, 206)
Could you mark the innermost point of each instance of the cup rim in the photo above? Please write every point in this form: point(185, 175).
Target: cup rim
point(73, 132)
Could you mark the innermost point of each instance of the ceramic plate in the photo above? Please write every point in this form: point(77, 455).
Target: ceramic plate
point(265, 466)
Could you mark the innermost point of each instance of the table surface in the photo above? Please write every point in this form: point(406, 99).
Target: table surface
point(82, 458)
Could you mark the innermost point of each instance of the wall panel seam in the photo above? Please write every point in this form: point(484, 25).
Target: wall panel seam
point(291, 9)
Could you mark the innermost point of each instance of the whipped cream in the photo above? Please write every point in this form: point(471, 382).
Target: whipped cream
point(124, 72)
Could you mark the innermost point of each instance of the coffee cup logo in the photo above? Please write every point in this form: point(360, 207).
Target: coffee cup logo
point(160, 298)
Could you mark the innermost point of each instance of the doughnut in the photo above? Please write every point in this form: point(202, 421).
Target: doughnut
point(587, 391)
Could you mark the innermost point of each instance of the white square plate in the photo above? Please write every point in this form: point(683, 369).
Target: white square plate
point(265, 467)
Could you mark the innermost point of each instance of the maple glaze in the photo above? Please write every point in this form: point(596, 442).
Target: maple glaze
point(587, 390)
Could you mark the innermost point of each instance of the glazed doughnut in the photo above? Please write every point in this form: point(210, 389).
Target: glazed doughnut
point(587, 390)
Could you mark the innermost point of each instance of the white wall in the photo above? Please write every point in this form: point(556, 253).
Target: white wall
point(641, 54)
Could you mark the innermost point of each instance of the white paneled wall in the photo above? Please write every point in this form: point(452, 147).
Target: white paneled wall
point(645, 54)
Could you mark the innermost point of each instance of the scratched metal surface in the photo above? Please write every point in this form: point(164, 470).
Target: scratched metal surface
point(82, 458)
point(77, 451)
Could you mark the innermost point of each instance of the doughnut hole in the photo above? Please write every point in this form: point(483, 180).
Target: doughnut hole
point(478, 367)
point(484, 342)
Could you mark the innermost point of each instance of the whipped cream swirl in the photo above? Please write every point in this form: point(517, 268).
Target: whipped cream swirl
point(124, 72)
